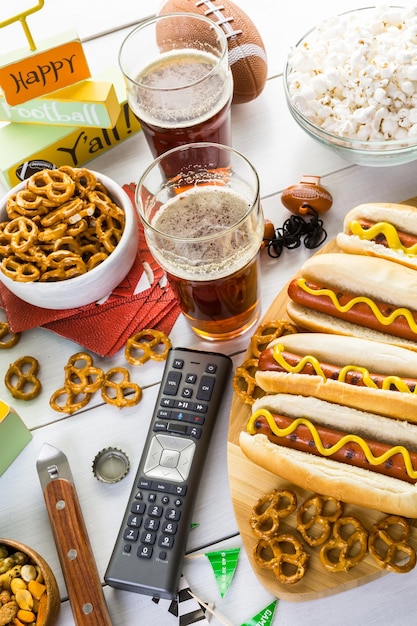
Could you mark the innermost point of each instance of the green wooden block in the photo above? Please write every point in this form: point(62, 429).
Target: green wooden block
point(14, 436)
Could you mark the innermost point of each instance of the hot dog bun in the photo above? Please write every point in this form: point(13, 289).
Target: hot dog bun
point(342, 351)
point(378, 279)
point(325, 476)
point(402, 217)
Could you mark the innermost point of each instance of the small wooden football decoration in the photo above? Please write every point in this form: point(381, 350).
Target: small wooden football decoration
point(247, 56)
point(307, 193)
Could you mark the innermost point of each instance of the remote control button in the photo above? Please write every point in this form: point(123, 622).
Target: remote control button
point(151, 523)
point(144, 483)
point(134, 521)
point(187, 392)
point(178, 364)
point(155, 510)
point(167, 402)
point(127, 548)
point(166, 541)
point(173, 514)
point(190, 379)
point(194, 432)
point(197, 419)
point(148, 538)
point(160, 427)
point(145, 552)
point(130, 534)
point(138, 508)
point(169, 458)
point(199, 408)
point(206, 388)
point(170, 528)
point(172, 383)
point(162, 555)
point(164, 413)
point(180, 416)
point(179, 490)
point(211, 368)
point(182, 404)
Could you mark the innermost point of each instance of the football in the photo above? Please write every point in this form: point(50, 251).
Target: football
point(307, 193)
point(247, 56)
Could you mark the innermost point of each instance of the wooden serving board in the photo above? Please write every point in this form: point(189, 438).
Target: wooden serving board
point(249, 482)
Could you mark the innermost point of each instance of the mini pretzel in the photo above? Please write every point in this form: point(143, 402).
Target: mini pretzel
point(7, 338)
point(28, 203)
point(270, 509)
point(148, 343)
point(22, 233)
point(85, 181)
point(55, 185)
point(284, 555)
point(72, 401)
point(109, 231)
point(315, 518)
point(62, 213)
point(267, 332)
point(19, 270)
point(244, 382)
point(21, 379)
point(81, 375)
point(341, 553)
point(118, 392)
point(390, 551)
point(61, 265)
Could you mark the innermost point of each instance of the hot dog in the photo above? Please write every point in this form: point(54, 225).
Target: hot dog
point(333, 450)
point(384, 230)
point(355, 372)
point(356, 295)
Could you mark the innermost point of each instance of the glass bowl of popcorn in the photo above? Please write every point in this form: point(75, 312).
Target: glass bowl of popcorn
point(351, 84)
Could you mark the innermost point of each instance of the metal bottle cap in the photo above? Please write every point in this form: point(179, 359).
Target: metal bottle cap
point(110, 465)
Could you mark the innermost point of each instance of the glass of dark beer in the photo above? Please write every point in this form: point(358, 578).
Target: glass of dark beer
point(204, 226)
point(179, 83)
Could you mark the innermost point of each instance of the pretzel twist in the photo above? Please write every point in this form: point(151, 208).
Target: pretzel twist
point(267, 513)
point(244, 382)
point(268, 331)
point(315, 518)
point(81, 375)
point(56, 185)
point(347, 547)
point(284, 555)
point(8, 339)
point(390, 551)
point(147, 344)
point(21, 379)
point(22, 233)
point(61, 265)
point(64, 400)
point(118, 389)
point(19, 270)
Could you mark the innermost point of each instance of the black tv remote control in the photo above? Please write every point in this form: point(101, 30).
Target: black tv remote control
point(150, 547)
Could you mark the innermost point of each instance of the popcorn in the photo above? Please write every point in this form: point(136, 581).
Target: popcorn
point(355, 75)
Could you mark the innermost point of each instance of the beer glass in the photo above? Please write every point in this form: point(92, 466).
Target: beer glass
point(179, 83)
point(204, 226)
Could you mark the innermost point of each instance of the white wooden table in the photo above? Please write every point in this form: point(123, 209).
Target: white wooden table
point(265, 132)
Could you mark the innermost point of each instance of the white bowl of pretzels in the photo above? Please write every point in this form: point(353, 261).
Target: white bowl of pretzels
point(68, 237)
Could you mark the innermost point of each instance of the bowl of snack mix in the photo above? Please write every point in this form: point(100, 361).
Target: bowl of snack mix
point(351, 84)
point(68, 237)
point(29, 593)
